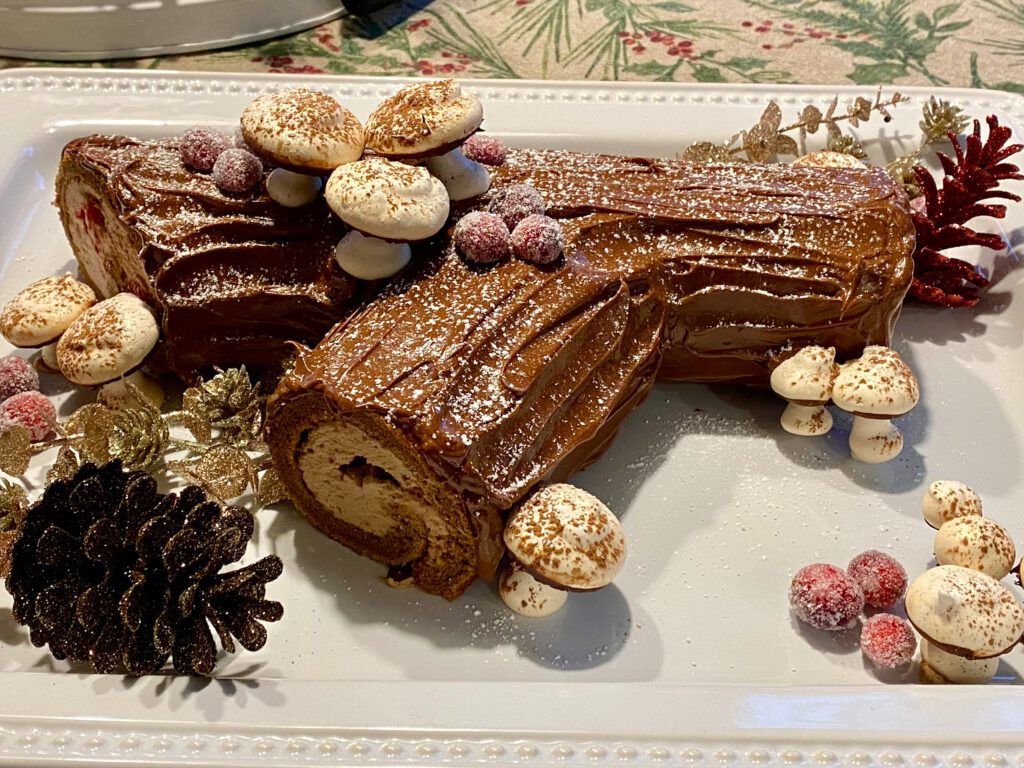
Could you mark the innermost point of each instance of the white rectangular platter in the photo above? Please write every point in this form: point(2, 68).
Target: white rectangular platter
point(692, 656)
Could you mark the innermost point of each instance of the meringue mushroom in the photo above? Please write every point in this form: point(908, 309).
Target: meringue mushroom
point(565, 538)
point(527, 596)
point(108, 340)
point(118, 396)
point(431, 121)
point(965, 612)
point(302, 130)
point(937, 666)
point(805, 380)
point(40, 313)
point(947, 499)
point(876, 387)
point(387, 204)
point(975, 542)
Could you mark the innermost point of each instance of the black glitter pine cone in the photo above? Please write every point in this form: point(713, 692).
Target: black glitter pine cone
point(110, 571)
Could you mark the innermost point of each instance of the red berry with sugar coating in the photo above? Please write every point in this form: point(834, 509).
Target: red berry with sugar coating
point(237, 170)
point(16, 376)
point(32, 410)
point(882, 579)
point(888, 641)
point(538, 239)
point(484, 149)
point(201, 146)
point(826, 597)
point(515, 203)
point(482, 237)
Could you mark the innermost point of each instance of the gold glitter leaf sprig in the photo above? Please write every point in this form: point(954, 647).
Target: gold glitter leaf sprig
point(224, 414)
point(768, 138)
point(13, 505)
point(230, 403)
point(939, 118)
point(223, 471)
point(15, 450)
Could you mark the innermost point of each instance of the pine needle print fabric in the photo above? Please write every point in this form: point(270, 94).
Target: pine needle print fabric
point(977, 43)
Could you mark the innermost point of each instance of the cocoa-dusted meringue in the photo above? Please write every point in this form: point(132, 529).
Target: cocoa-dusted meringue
point(302, 130)
point(937, 666)
point(826, 158)
point(975, 542)
point(108, 340)
point(527, 596)
point(566, 537)
point(431, 120)
point(965, 612)
point(40, 313)
point(387, 204)
point(876, 387)
point(805, 380)
point(948, 499)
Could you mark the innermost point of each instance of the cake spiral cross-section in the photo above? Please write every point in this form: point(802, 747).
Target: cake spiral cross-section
point(413, 428)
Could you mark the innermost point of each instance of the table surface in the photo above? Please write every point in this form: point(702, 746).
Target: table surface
point(974, 43)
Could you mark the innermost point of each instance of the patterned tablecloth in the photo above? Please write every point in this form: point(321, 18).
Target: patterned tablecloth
point(977, 43)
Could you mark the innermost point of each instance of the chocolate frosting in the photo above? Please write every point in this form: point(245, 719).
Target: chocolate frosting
point(236, 277)
point(509, 375)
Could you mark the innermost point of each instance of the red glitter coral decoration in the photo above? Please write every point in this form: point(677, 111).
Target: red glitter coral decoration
point(971, 181)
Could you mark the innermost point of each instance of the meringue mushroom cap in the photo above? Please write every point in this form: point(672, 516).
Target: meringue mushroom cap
point(423, 119)
point(108, 340)
point(945, 500)
point(389, 200)
point(302, 130)
point(806, 377)
point(975, 542)
point(567, 538)
point(964, 612)
point(42, 311)
point(877, 384)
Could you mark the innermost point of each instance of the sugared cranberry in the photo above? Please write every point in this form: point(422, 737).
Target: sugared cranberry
point(32, 410)
point(16, 376)
point(484, 149)
point(888, 641)
point(515, 203)
point(538, 239)
point(237, 170)
point(482, 237)
point(880, 576)
point(201, 146)
point(825, 597)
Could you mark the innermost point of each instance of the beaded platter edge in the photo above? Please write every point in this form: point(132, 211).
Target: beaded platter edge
point(38, 740)
point(130, 82)
point(152, 745)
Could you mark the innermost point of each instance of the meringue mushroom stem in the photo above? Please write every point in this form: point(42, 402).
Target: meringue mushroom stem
point(874, 440)
point(462, 177)
point(806, 420)
point(370, 258)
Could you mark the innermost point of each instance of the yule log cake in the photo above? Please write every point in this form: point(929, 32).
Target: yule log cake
point(429, 412)
point(417, 423)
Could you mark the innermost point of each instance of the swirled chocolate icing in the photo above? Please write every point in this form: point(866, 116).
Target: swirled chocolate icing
point(476, 383)
point(235, 276)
